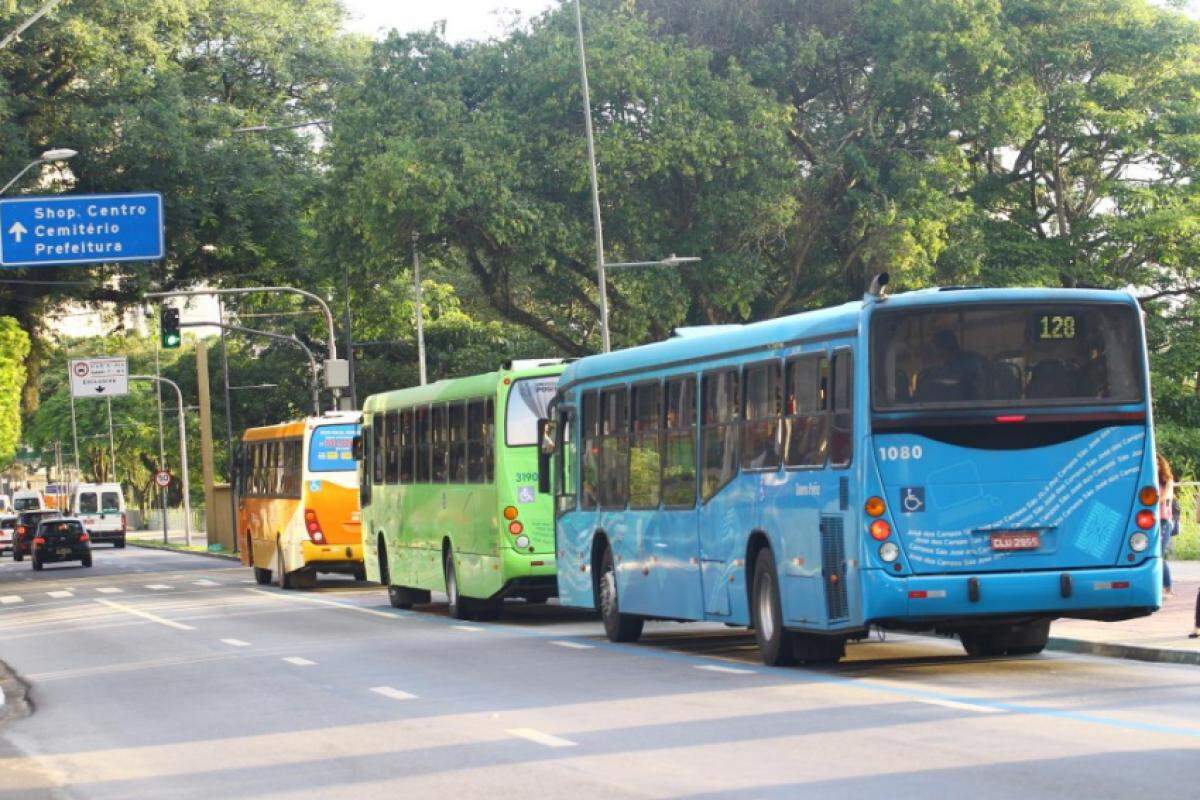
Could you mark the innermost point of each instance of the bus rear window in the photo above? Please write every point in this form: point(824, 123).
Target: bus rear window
point(528, 401)
point(971, 356)
point(331, 448)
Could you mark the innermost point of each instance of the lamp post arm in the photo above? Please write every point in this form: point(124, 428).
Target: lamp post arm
point(20, 175)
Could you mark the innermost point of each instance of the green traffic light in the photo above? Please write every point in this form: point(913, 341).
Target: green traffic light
point(170, 341)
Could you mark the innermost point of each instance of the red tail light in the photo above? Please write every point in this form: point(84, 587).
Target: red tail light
point(1145, 520)
point(40, 540)
point(83, 537)
point(312, 526)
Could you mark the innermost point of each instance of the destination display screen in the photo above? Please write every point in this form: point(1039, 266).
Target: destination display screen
point(332, 449)
point(965, 356)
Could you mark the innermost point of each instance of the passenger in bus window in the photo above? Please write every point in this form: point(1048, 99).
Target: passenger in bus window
point(956, 375)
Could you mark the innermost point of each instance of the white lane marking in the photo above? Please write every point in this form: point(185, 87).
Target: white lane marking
point(205, 582)
point(300, 662)
point(235, 643)
point(170, 623)
point(109, 590)
point(541, 738)
point(727, 670)
point(574, 645)
point(10, 598)
point(467, 628)
point(249, 581)
point(158, 587)
point(394, 694)
point(61, 594)
point(925, 695)
point(334, 603)
point(937, 701)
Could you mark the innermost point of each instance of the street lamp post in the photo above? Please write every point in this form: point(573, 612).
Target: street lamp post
point(183, 460)
point(57, 154)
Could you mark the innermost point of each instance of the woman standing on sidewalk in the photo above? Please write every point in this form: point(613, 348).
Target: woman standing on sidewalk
point(1166, 519)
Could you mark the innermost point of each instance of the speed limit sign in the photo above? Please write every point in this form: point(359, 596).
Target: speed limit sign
point(162, 478)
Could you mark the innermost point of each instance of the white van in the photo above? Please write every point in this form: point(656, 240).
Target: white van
point(101, 508)
point(28, 500)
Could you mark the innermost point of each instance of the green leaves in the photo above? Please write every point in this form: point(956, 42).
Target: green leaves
point(14, 347)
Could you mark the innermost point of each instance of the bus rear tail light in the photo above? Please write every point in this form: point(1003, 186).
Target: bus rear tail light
point(880, 530)
point(889, 552)
point(1148, 496)
point(1139, 542)
point(1145, 519)
point(313, 526)
point(875, 507)
point(510, 513)
point(516, 528)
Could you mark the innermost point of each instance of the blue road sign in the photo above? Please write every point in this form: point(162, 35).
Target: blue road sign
point(81, 229)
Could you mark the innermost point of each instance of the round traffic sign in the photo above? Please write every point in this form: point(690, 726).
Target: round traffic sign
point(162, 478)
point(81, 369)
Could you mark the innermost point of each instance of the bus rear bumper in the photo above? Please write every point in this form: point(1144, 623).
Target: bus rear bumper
point(326, 553)
point(926, 600)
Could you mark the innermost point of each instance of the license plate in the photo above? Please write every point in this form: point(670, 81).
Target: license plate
point(62, 551)
point(1016, 540)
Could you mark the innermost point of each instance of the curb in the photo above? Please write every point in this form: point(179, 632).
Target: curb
point(1157, 655)
point(161, 549)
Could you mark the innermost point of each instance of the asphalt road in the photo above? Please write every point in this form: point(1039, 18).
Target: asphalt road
point(159, 675)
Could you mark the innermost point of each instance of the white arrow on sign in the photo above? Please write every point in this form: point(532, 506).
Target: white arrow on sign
point(18, 230)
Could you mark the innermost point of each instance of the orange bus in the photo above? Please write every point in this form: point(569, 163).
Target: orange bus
point(298, 511)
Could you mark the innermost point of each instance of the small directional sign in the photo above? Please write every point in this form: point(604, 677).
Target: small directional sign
point(81, 229)
point(99, 377)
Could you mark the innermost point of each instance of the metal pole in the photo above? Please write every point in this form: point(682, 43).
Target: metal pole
point(75, 437)
point(349, 334)
point(20, 174)
point(183, 461)
point(41, 12)
point(162, 449)
point(112, 446)
point(419, 300)
point(591, 150)
point(229, 422)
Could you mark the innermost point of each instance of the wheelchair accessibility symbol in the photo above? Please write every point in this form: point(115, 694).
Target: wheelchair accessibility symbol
point(912, 499)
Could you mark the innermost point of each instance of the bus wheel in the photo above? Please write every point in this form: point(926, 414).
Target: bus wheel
point(283, 580)
point(1029, 639)
point(458, 607)
point(1025, 639)
point(776, 644)
point(262, 576)
point(384, 576)
point(617, 626)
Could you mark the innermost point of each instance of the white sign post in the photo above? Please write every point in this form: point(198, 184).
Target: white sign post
point(99, 377)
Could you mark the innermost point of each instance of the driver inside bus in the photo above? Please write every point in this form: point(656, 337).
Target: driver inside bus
point(956, 374)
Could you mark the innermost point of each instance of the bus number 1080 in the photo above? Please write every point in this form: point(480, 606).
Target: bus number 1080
point(903, 453)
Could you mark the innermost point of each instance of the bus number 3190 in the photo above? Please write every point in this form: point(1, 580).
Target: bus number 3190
point(903, 453)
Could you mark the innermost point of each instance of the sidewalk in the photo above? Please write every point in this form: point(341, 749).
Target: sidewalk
point(1161, 637)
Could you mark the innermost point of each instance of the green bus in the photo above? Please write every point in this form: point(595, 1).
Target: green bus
point(449, 490)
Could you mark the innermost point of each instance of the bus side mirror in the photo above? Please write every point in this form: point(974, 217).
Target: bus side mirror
point(356, 448)
point(546, 430)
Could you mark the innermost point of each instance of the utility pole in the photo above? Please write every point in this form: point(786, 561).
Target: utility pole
point(206, 440)
point(229, 464)
point(347, 323)
point(112, 446)
point(75, 436)
point(162, 450)
point(419, 301)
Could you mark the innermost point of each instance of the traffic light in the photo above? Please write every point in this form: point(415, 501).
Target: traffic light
point(169, 328)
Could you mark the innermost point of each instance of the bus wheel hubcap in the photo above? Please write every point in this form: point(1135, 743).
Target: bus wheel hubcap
point(766, 612)
point(609, 596)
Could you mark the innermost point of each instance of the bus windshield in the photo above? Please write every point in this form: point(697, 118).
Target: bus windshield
point(968, 356)
point(332, 449)
point(528, 401)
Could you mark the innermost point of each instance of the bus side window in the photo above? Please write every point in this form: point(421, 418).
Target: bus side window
point(566, 453)
point(475, 435)
point(590, 472)
point(760, 430)
point(377, 453)
point(614, 448)
point(293, 457)
point(407, 451)
point(841, 449)
point(645, 452)
point(489, 441)
point(391, 447)
point(458, 442)
point(719, 435)
point(422, 434)
point(806, 421)
point(364, 466)
point(679, 457)
point(441, 447)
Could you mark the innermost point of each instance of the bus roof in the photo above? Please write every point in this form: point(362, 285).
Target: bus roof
point(696, 343)
point(461, 388)
point(294, 428)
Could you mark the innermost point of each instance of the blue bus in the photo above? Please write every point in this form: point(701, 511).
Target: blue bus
point(976, 462)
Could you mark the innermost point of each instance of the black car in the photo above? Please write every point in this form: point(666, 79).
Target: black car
point(61, 539)
point(27, 523)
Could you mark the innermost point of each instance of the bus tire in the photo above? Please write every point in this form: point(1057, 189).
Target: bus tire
point(283, 579)
point(262, 576)
point(1028, 639)
point(457, 607)
point(384, 576)
point(776, 644)
point(617, 626)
